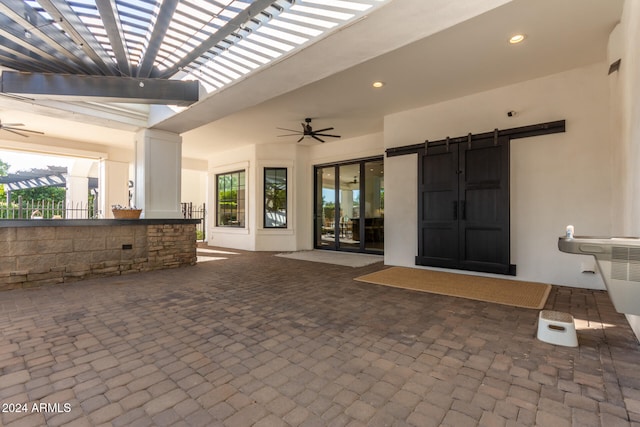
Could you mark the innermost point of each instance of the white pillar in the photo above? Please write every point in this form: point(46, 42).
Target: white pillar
point(158, 173)
point(113, 186)
point(346, 204)
point(77, 197)
point(77, 189)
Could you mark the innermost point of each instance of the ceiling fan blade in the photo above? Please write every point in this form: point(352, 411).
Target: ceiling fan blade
point(301, 138)
point(9, 128)
point(291, 134)
point(290, 130)
point(324, 134)
point(17, 133)
point(322, 130)
point(315, 137)
point(11, 124)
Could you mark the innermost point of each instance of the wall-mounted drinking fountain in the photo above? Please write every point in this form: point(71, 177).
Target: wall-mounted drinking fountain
point(618, 259)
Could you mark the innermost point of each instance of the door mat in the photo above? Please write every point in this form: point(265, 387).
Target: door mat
point(500, 291)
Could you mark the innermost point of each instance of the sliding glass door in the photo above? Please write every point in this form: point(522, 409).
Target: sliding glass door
point(373, 233)
point(349, 206)
point(349, 198)
point(325, 207)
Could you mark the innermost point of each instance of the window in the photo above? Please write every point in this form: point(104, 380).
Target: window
point(231, 199)
point(275, 197)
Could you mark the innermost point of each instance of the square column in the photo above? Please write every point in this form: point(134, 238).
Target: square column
point(158, 173)
point(77, 194)
point(77, 197)
point(113, 186)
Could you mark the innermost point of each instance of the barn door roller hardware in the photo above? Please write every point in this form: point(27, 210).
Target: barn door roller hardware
point(512, 133)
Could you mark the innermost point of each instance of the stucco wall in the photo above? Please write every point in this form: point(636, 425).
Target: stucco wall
point(556, 180)
point(194, 186)
point(254, 236)
point(274, 156)
point(299, 159)
point(231, 237)
point(625, 125)
point(346, 149)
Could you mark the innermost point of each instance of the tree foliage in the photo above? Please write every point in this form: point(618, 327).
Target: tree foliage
point(56, 194)
point(4, 168)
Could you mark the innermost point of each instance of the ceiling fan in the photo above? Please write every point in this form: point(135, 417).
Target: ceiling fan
point(12, 127)
point(307, 130)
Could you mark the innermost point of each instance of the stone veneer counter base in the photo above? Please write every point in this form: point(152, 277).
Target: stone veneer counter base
point(43, 252)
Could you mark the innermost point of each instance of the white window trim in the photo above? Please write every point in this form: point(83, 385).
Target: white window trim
point(261, 229)
point(221, 170)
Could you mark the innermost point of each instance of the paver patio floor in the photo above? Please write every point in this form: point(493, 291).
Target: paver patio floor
point(254, 339)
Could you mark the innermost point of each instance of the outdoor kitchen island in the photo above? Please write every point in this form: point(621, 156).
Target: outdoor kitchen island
point(37, 252)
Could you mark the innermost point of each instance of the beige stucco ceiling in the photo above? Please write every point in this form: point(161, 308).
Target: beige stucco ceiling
point(411, 45)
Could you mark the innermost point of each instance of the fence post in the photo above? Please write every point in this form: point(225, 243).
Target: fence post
point(204, 221)
point(19, 207)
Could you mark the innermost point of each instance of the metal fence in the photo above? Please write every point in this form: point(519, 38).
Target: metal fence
point(189, 211)
point(25, 209)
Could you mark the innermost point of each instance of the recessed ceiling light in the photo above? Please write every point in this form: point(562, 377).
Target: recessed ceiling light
point(377, 84)
point(517, 38)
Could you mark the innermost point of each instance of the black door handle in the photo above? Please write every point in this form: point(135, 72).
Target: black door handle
point(463, 210)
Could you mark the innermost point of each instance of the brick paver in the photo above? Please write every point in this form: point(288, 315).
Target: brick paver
point(254, 339)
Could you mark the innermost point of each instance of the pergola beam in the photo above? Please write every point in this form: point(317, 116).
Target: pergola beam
point(56, 180)
point(100, 88)
point(73, 25)
point(44, 33)
point(157, 35)
point(18, 60)
point(255, 9)
point(15, 39)
point(109, 14)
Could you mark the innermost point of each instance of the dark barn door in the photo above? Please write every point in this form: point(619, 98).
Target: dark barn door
point(438, 207)
point(464, 206)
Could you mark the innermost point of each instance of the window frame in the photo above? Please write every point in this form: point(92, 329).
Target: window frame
point(240, 199)
point(285, 204)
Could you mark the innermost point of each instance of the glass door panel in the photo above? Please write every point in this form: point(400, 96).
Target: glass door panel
point(326, 207)
point(349, 194)
point(349, 206)
point(374, 205)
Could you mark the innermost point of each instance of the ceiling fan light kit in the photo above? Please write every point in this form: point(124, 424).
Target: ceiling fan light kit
point(307, 130)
